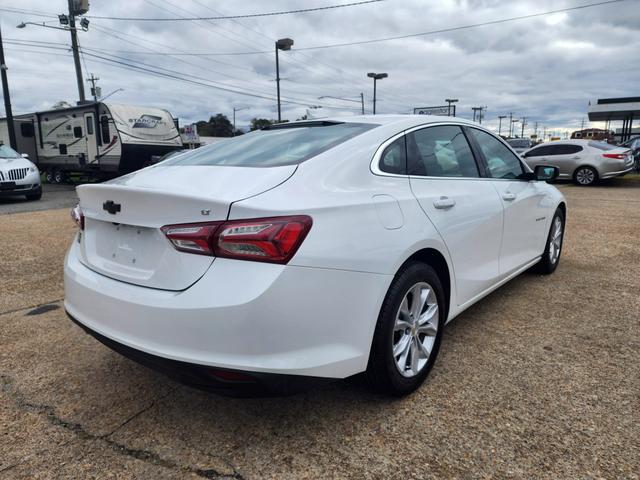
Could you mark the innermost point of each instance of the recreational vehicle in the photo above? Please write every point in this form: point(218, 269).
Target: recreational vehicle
point(95, 139)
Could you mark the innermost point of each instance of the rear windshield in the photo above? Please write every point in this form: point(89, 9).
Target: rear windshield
point(276, 146)
point(519, 143)
point(602, 145)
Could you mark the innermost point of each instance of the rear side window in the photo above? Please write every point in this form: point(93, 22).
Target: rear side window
point(280, 145)
point(394, 157)
point(440, 152)
point(566, 149)
point(602, 145)
point(501, 161)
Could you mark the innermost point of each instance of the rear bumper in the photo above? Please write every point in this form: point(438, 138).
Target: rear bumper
point(617, 173)
point(245, 316)
point(226, 382)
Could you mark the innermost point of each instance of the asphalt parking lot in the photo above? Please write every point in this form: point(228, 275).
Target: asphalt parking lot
point(539, 380)
point(53, 196)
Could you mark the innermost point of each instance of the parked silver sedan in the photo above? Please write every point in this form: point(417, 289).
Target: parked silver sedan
point(584, 161)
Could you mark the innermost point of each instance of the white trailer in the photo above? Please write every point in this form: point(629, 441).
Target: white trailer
point(95, 139)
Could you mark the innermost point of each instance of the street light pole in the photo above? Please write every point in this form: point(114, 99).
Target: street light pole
point(362, 101)
point(376, 77)
point(282, 44)
point(7, 98)
point(234, 117)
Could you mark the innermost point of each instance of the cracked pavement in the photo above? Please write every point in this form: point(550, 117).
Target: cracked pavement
point(539, 380)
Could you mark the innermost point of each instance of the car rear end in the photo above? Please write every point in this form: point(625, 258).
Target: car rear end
point(163, 272)
point(611, 160)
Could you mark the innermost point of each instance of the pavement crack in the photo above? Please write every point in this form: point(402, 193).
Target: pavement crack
point(9, 389)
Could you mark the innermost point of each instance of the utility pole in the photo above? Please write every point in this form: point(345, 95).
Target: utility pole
point(449, 102)
point(362, 101)
point(524, 122)
point(76, 52)
point(500, 117)
point(7, 98)
point(582, 124)
point(510, 123)
point(480, 111)
point(95, 91)
point(535, 129)
point(544, 133)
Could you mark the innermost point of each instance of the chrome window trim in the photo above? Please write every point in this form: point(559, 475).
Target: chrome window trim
point(375, 162)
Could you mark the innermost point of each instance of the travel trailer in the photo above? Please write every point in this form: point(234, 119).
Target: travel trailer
point(94, 139)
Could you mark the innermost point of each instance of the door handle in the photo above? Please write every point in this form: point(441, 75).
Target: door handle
point(508, 196)
point(575, 158)
point(444, 202)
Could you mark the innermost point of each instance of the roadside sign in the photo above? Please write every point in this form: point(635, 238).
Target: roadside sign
point(442, 110)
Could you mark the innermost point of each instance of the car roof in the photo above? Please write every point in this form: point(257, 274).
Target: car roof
point(403, 121)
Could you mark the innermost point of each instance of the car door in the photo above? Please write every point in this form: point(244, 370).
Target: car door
point(463, 207)
point(567, 158)
point(525, 209)
point(538, 156)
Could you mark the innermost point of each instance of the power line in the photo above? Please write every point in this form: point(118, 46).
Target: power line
point(231, 17)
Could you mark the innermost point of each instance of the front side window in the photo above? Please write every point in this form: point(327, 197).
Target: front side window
point(440, 151)
point(539, 152)
point(501, 161)
point(275, 146)
point(394, 157)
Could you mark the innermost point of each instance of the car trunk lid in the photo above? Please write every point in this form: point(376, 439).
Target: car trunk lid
point(122, 237)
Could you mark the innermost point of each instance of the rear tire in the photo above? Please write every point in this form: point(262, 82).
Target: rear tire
point(407, 335)
point(49, 176)
point(59, 176)
point(585, 176)
point(553, 248)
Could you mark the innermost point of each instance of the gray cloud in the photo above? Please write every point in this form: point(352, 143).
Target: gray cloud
point(546, 68)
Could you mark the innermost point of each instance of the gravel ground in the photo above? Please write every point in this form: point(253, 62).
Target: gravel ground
point(539, 380)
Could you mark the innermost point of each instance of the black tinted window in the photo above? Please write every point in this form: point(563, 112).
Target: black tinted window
point(104, 129)
point(77, 132)
point(89, 125)
point(539, 152)
point(566, 149)
point(26, 129)
point(288, 145)
point(440, 152)
point(394, 157)
point(602, 145)
point(501, 161)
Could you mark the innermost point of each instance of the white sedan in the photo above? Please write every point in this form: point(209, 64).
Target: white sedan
point(18, 175)
point(308, 251)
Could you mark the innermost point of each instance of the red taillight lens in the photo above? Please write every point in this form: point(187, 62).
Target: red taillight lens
point(265, 239)
point(192, 237)
point(274, 239)
point(77, 216)
point(617, 156)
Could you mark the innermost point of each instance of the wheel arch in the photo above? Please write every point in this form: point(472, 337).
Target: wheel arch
point(438, 262)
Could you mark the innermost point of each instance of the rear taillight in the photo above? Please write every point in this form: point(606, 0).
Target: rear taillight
point(274, 239)
point(617, 156)
point(77, 216)
point(193, 237)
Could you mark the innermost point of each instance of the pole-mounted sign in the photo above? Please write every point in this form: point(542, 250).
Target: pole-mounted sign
point(442, 111)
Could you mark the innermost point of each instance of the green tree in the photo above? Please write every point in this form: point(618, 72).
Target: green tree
point(218, 126)
point(258, 123)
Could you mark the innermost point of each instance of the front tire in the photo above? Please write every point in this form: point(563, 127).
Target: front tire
point(408, 332)
point(585, 176)
point(553, 248)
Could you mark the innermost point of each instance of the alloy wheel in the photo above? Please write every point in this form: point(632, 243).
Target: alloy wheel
point(585, 176)
point(555, 242)
point(415, 329)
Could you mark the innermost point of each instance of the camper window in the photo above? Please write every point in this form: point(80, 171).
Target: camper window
point(89, 125)
point(77, 132)
point(63, 148)
point(26, 130)
point(104, 127)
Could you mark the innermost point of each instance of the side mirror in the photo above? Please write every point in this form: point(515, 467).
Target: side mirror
point(25, 155)
point(546, 172)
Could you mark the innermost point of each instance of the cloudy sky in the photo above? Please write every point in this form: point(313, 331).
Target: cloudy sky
point(546, 68)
